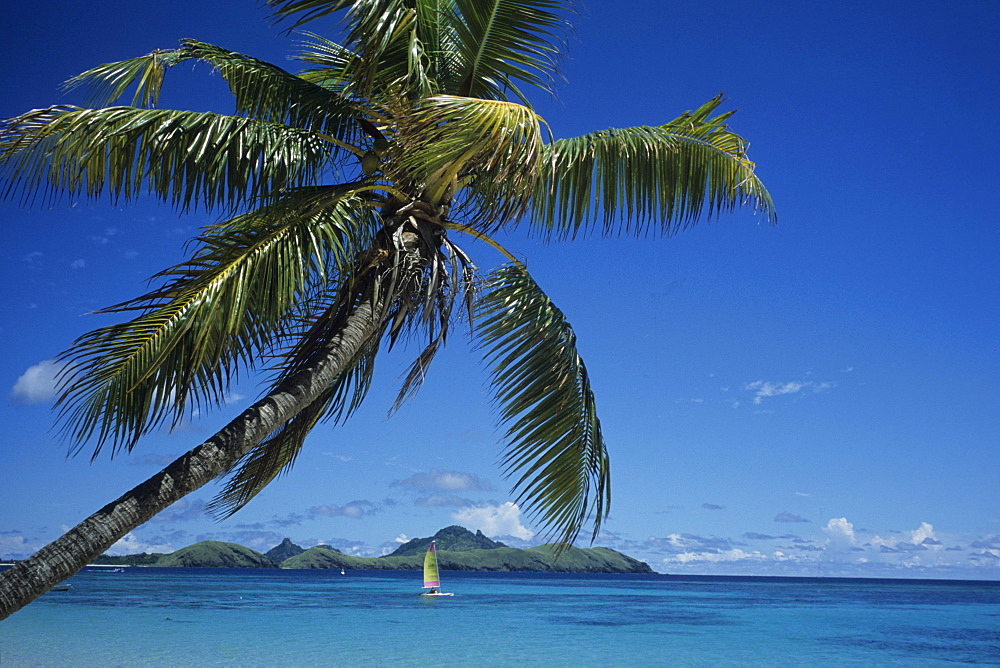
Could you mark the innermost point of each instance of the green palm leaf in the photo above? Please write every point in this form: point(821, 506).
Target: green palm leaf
point(437, 46)
point(332, 63)
point(446, 141)
point(543, 393)
point(501, 42)
point(310, 10)
point(449, 281)
point(184, 157)
point(633, 178)
point(261, 90)
point(223, 310)
point(470, 48)
point(381, 33)
point(277, 454)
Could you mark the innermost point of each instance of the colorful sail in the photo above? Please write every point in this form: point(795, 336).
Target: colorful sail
point(431, 577)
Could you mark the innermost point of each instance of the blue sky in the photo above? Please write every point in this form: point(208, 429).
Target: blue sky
point(815, 398)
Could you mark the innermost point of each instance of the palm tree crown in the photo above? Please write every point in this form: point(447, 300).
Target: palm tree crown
point(341, 192)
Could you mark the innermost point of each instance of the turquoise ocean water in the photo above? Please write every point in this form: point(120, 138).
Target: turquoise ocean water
point(238, 617)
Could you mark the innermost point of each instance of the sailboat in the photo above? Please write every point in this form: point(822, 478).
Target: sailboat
point(432, 580)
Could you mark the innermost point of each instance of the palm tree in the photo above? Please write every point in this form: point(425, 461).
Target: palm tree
point(341, 192)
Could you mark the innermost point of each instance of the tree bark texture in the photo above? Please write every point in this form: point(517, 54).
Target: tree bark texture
point(29, 579)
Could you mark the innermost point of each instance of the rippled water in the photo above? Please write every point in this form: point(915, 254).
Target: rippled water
point(237, 617)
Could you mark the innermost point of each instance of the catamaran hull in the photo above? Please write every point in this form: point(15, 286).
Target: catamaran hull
point(428, 595)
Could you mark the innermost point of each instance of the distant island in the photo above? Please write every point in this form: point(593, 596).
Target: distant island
point(458, 549)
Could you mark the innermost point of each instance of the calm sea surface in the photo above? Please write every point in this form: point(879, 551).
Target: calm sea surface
point(237, 617)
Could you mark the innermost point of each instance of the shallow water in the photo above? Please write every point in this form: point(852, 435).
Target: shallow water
point(248, 617)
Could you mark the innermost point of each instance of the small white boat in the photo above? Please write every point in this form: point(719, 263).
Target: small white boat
point(62, 587)
point(432, 580)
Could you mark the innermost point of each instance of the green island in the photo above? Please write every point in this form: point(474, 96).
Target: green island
point(458, 549)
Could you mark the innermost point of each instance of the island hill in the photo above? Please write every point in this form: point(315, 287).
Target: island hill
point(458, 549)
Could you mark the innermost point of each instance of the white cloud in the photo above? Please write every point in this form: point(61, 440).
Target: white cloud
point(78, 264)
point(765, 389)
point(833, 548)
point(14, 547)
point(840, 531)
point(920, 538)
point(690, 542)
point(38, 383)
point(677, 540)
point(448, 481)
point(132, 544)
point(721, 556)
point(495, 520)
point(924, 532)
point(354, 510)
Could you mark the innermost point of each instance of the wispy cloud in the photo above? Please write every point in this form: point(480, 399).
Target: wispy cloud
point(132, 544)
point(292, 519)
point(836, 548)
point(443, 501)
point(445, 481)
point(104, 238)
point(184, 510)
point(764, 389)
point(723, 556)
point(789, 517)
point(355, 510)
point(14, 546)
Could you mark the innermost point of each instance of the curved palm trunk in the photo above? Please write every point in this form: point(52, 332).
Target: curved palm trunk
point(60, 559)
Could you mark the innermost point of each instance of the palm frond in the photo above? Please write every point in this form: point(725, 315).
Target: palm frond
point(331, 62)
point(502, 42)
point(308, 10)
point(543, 395)
point(105, 84)
point(449, 282)
point(261, 90)
point(220, 312)
point(448, 141)
point(182, 157)
point(634, 179)
point(382, 34)
point(265, 462)
point(435, 48)
point(277, 454)
point(469, 48)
